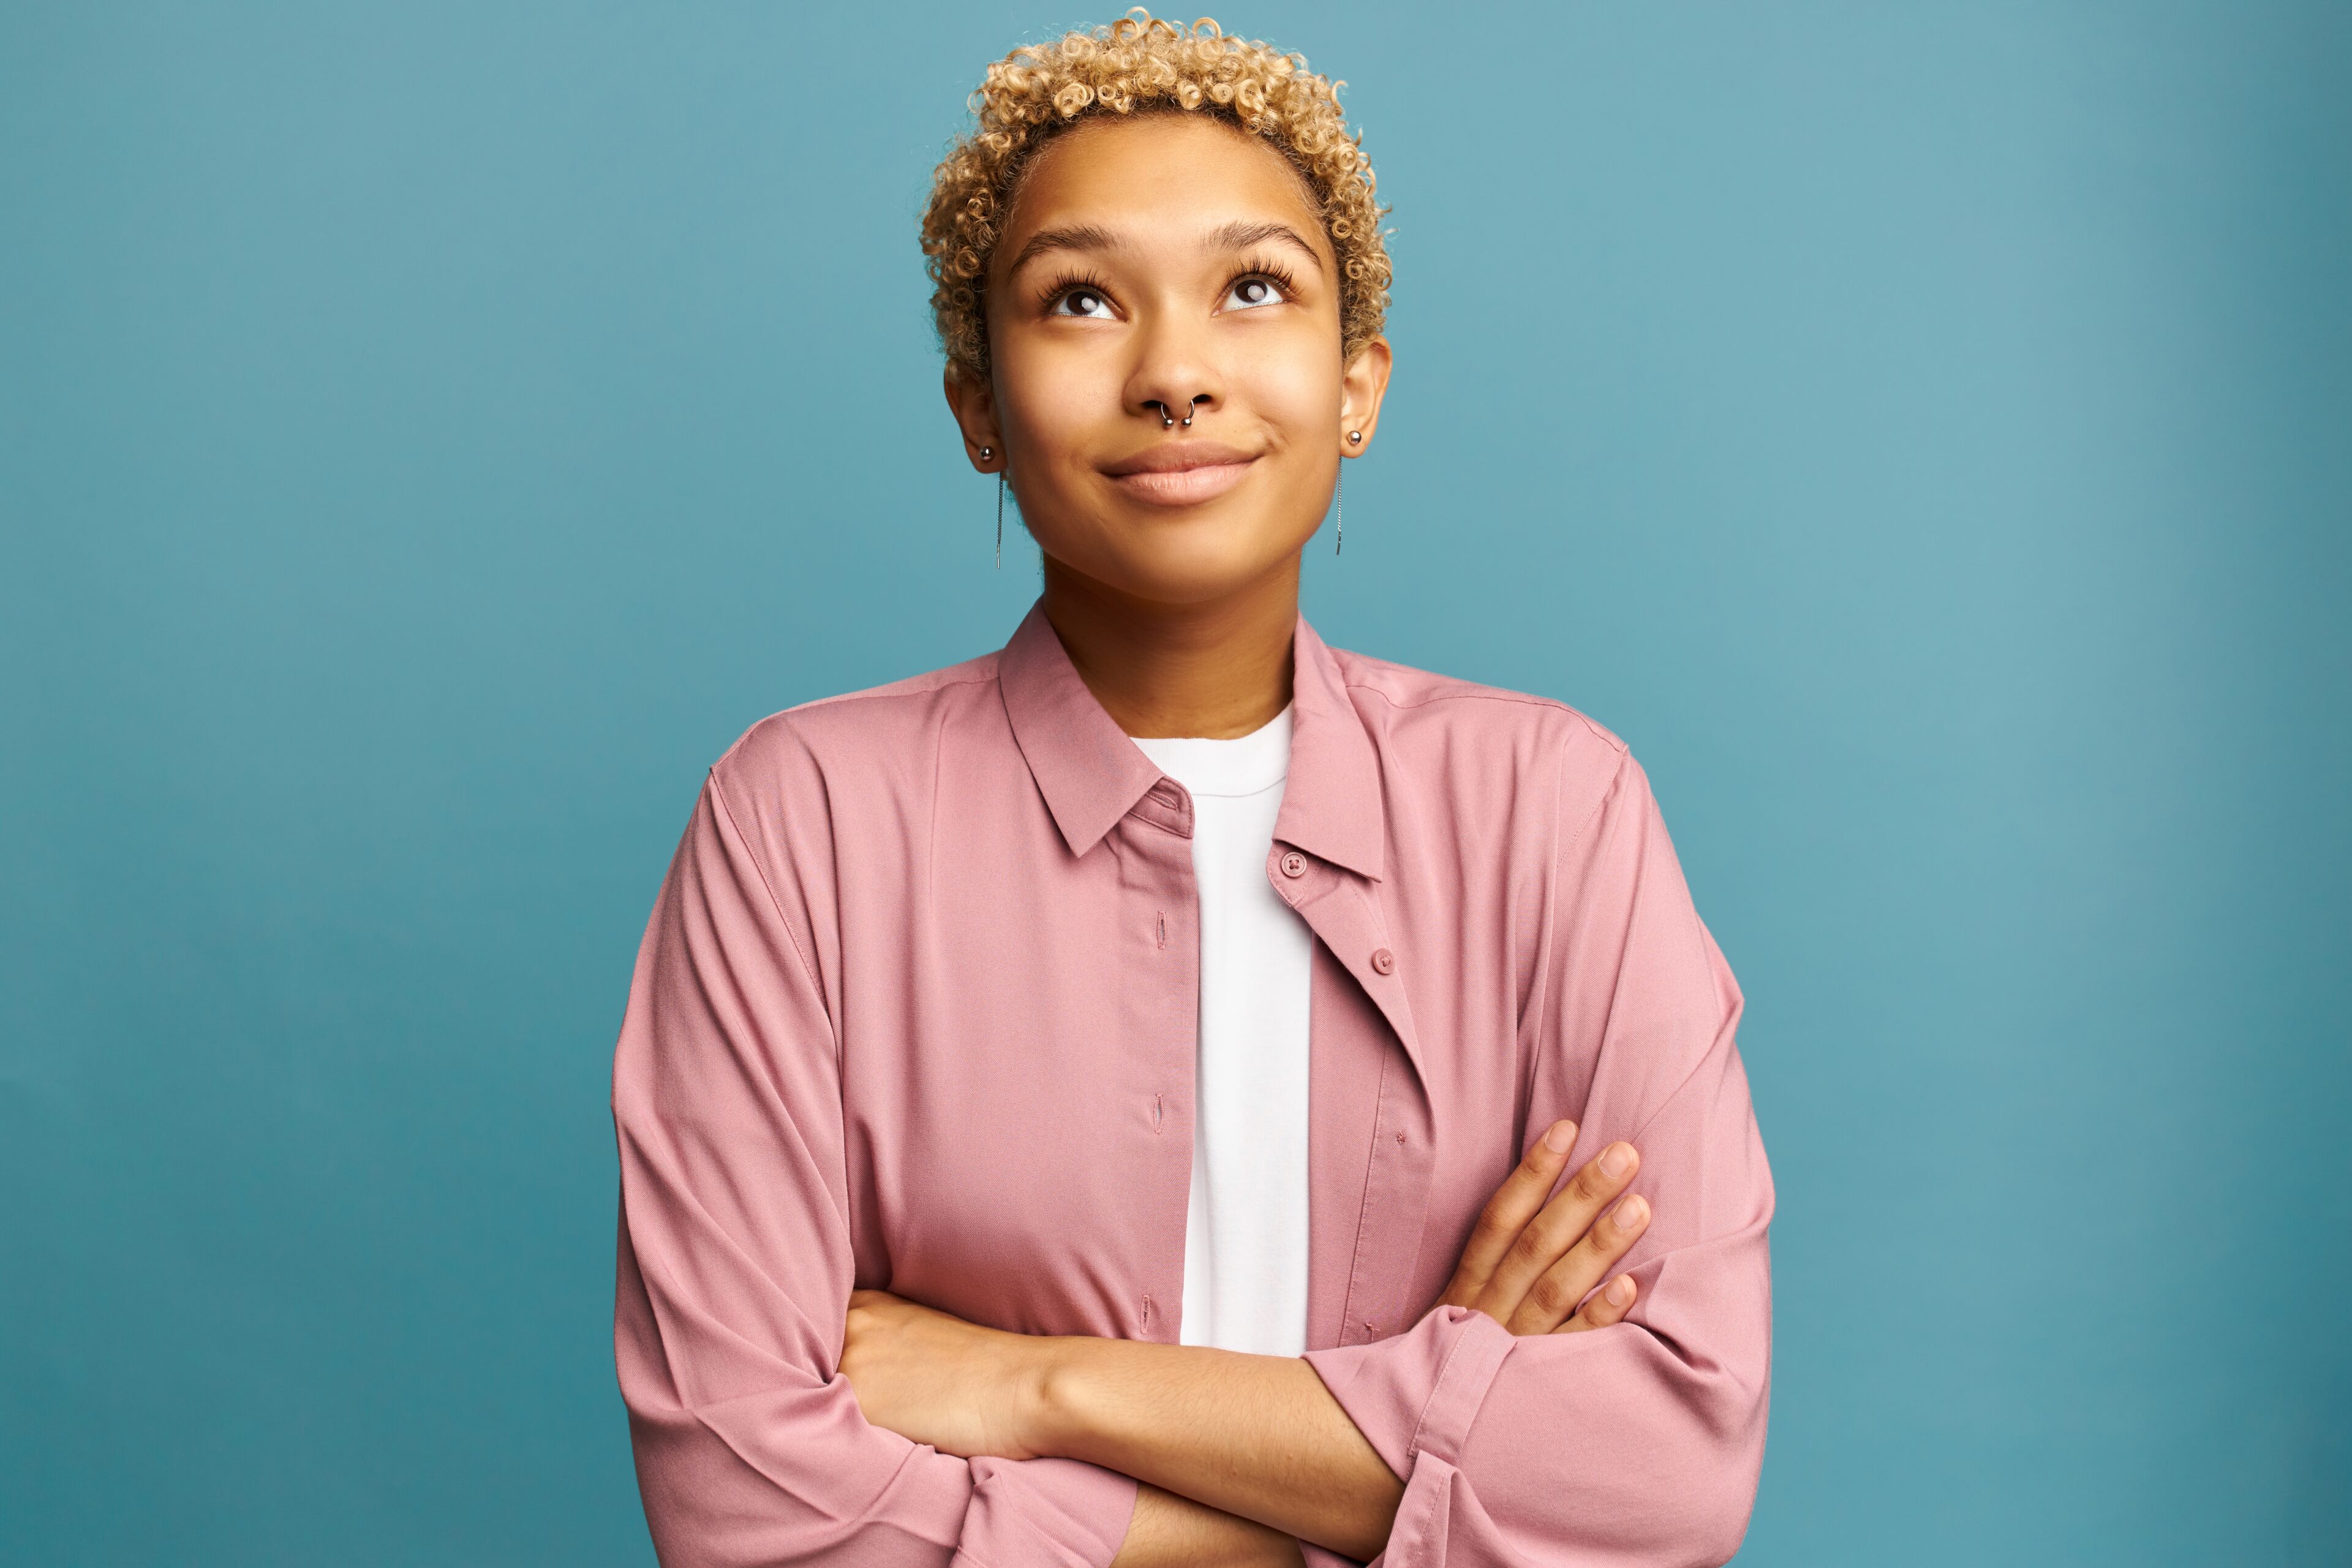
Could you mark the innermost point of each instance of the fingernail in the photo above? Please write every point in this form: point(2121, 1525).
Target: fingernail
point(1559, 1136)
point(1617, 1160)
point(1620, 1291)
point(1630, 1214)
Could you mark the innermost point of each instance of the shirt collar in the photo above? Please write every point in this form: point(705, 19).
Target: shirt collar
point(1091, 773)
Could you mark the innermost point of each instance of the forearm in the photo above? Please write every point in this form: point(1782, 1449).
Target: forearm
point(1250, 1435)
point(1171, 1531)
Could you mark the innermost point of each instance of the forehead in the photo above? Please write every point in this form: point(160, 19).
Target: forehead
point(1171, 175)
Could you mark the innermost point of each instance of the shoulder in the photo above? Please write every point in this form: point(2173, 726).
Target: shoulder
point(1420, 717)
point(877, 730)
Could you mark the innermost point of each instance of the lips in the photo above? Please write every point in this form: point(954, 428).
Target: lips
point(1181, 473)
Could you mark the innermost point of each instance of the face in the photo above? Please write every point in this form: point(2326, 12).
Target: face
point(1152, 268)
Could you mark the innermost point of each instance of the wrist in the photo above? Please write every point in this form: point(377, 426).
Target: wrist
point(1053, 1398)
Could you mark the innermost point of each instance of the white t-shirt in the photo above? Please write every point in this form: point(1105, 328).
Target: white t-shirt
point(1246, 1233)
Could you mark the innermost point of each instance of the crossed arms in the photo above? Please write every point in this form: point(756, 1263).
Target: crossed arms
point(1242, 1457)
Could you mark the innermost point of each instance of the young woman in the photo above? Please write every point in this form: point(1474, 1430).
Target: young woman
point(1167, 1090)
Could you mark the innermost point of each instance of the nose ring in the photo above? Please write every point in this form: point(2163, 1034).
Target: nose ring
point(1168, 421)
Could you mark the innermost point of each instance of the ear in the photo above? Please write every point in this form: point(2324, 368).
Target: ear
point(972, 400)
point(1362, 384)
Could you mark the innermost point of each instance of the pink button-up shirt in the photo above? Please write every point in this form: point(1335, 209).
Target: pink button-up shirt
point(916, 1011)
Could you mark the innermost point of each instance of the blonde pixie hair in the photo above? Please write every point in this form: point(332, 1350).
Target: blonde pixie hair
point(1141, 64)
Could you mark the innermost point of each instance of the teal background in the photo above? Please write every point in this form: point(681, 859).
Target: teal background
point(430, 433)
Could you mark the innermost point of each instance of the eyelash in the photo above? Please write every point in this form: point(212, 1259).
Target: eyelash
point(1274, 272)
point(1073, 282)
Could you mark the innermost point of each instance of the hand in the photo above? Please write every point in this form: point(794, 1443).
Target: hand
point(1528, 1262)
point(933, 1378)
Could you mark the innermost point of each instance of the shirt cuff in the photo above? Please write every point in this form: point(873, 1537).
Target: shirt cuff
point(1064, 1512)
point(1413, 1397)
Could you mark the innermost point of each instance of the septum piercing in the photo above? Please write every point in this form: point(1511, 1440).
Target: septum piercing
point(1168, 421)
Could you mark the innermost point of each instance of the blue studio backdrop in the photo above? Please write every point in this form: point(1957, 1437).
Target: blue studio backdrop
point(430, 433)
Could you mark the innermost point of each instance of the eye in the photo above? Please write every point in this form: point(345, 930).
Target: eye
point(1090, 303)
point(1248, 293)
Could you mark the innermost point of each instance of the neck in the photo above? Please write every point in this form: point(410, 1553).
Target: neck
point(1220, 669)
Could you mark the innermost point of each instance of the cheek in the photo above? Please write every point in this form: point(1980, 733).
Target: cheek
point(1055, 399)
point(1295, 388)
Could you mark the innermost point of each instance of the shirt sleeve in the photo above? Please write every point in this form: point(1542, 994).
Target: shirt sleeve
point(1638, 1444)
point(735, 1269)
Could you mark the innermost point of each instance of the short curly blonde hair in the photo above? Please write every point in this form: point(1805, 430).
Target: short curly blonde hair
point(1142, 64)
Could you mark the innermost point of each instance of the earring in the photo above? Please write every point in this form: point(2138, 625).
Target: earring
point(1339, 493)
point(987, 452)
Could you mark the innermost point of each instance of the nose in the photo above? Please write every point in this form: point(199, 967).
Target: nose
point(1174, 379)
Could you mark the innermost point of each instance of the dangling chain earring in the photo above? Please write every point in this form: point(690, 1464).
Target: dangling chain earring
point(991, 452)
point(1339, 496)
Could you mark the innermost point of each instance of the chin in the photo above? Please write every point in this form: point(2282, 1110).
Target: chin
point(1196, 571)
point(1161, 560)
point(1181, 555)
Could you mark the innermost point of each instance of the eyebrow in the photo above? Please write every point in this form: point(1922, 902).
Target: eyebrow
point(1077, 237)
point(1242, 236)
point(1234, 235)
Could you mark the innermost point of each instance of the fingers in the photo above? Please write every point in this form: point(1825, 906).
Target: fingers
point(1557, 1227)
point(1516, 1201)
point(1555, 1293)
point(1608, 1306)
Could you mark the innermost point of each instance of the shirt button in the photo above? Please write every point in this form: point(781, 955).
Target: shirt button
point(1294, 864)
point(1383, 961)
